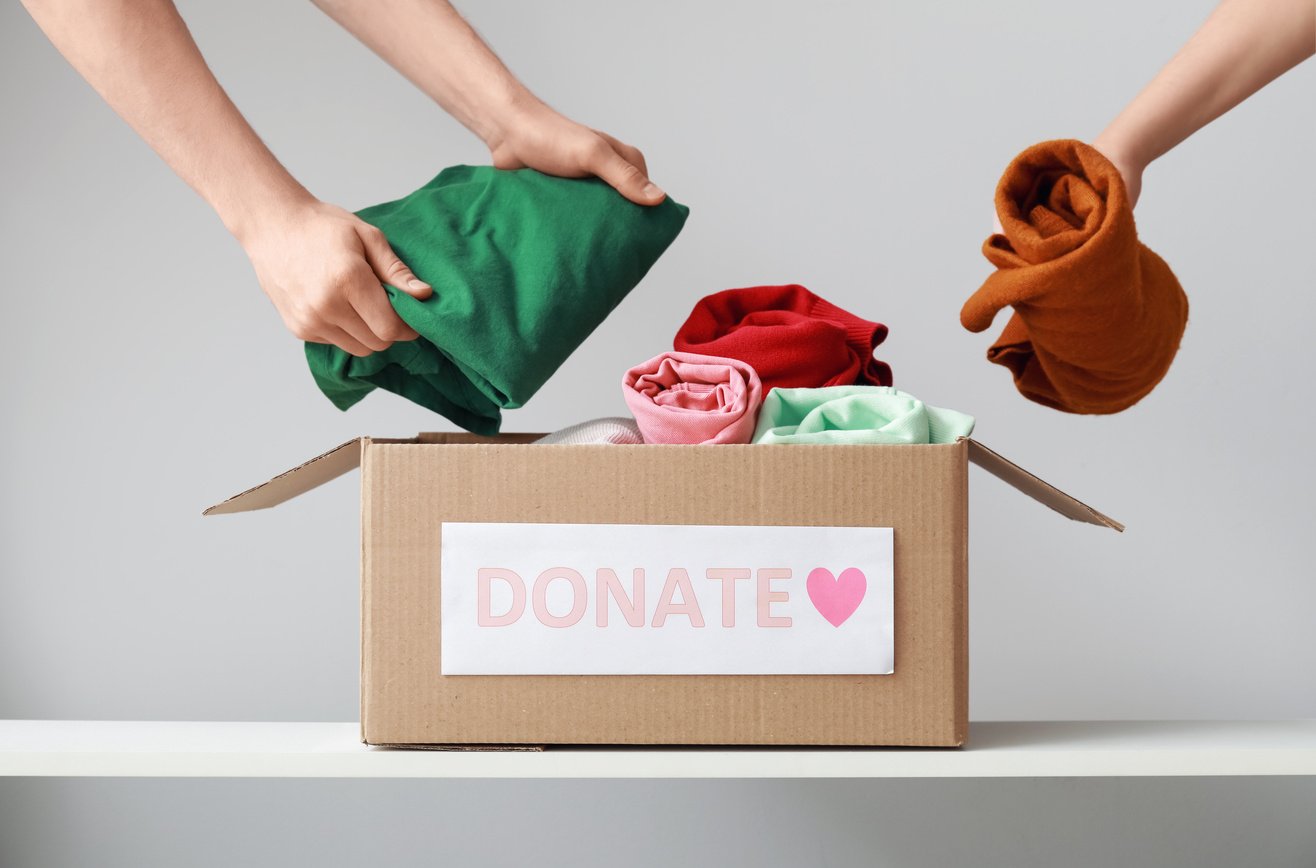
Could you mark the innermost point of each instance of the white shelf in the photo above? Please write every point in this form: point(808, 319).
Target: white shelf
point(70, 748)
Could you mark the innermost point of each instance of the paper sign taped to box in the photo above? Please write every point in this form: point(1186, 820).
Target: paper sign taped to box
point(602, 599)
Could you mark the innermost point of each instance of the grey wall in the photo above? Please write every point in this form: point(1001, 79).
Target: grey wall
point(852, 147)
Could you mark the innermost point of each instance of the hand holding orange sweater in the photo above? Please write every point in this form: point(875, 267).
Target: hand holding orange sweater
point(1097, 315)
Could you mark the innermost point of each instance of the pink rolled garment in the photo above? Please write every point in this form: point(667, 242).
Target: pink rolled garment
point(689, 398)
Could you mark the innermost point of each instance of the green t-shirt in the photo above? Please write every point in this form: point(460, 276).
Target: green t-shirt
point(524, 267)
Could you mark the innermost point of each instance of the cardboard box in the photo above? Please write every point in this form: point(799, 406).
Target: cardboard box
point(410, 488)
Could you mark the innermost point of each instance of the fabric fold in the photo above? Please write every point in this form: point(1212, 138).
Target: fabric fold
point(524, 267)
point(691, 398)
point(617, 430)
point(1098, 317)
point(790, 336)
point(856, 415)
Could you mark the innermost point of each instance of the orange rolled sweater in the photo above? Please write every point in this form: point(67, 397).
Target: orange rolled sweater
point(1097, 316)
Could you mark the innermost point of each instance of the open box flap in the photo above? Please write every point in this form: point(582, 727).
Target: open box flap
point(1038, 489)
point(328, 466)
point(299, 480)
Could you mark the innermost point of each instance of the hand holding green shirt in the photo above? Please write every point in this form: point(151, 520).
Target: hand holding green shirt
point(524, 267)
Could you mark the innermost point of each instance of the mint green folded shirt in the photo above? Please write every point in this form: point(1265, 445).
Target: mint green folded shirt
point(524, 267)
point(855, 414)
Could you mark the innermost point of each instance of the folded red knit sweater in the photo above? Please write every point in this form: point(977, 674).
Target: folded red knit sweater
point(791, 337)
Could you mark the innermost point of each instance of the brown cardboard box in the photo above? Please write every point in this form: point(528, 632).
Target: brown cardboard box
point(409, 487)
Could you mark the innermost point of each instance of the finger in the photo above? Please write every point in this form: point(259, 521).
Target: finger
point(388, 267)
point(625, 176)
point(330, 334)
point(346, 318)
point(371, 304)
point(629, 153)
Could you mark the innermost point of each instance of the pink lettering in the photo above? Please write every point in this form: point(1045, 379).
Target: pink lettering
point(606, 584)
point(728, 578)
point(677, 597)
point(767, 597)
point(678, 579)
point(484, 606)
point(580, 597)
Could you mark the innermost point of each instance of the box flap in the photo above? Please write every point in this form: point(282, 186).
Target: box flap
point(1038, 489)
point(301, 479)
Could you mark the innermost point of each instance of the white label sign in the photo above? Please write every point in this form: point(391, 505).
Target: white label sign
point(605, 599)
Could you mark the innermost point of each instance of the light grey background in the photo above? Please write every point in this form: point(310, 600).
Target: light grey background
point(851, 147)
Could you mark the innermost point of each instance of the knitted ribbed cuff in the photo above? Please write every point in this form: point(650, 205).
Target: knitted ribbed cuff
point(859, 332)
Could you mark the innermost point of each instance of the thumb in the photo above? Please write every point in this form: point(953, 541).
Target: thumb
point(628, 179)
point(388, 268)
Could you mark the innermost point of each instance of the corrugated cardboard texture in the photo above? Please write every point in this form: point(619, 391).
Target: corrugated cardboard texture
point(408, 489)
point(309, 474)
point(328, 466)
point(1038, 489)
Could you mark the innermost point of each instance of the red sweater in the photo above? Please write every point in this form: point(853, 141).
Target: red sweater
point(789, 336)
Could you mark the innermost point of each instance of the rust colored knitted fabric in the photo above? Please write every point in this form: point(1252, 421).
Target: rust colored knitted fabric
point(1097, 316)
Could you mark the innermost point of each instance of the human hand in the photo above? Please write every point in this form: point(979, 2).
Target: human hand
point(537, 137)
point(432, 45)
point(1129, 168)
point(323, 267)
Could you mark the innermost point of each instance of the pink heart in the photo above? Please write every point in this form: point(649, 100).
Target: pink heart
point(836, 597)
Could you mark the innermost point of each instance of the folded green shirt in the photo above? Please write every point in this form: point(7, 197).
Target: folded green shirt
point(524, 267)
point(855, 414)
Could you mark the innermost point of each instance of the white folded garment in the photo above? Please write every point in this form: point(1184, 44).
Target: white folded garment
point(610, 429)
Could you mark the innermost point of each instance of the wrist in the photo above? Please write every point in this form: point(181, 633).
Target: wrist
point(254, 214)
point(1121, 150)
point(503, 115)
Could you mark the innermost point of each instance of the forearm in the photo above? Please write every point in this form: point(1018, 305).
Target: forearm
point(140, 57)
point(432, 45)
point(1242, 46)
